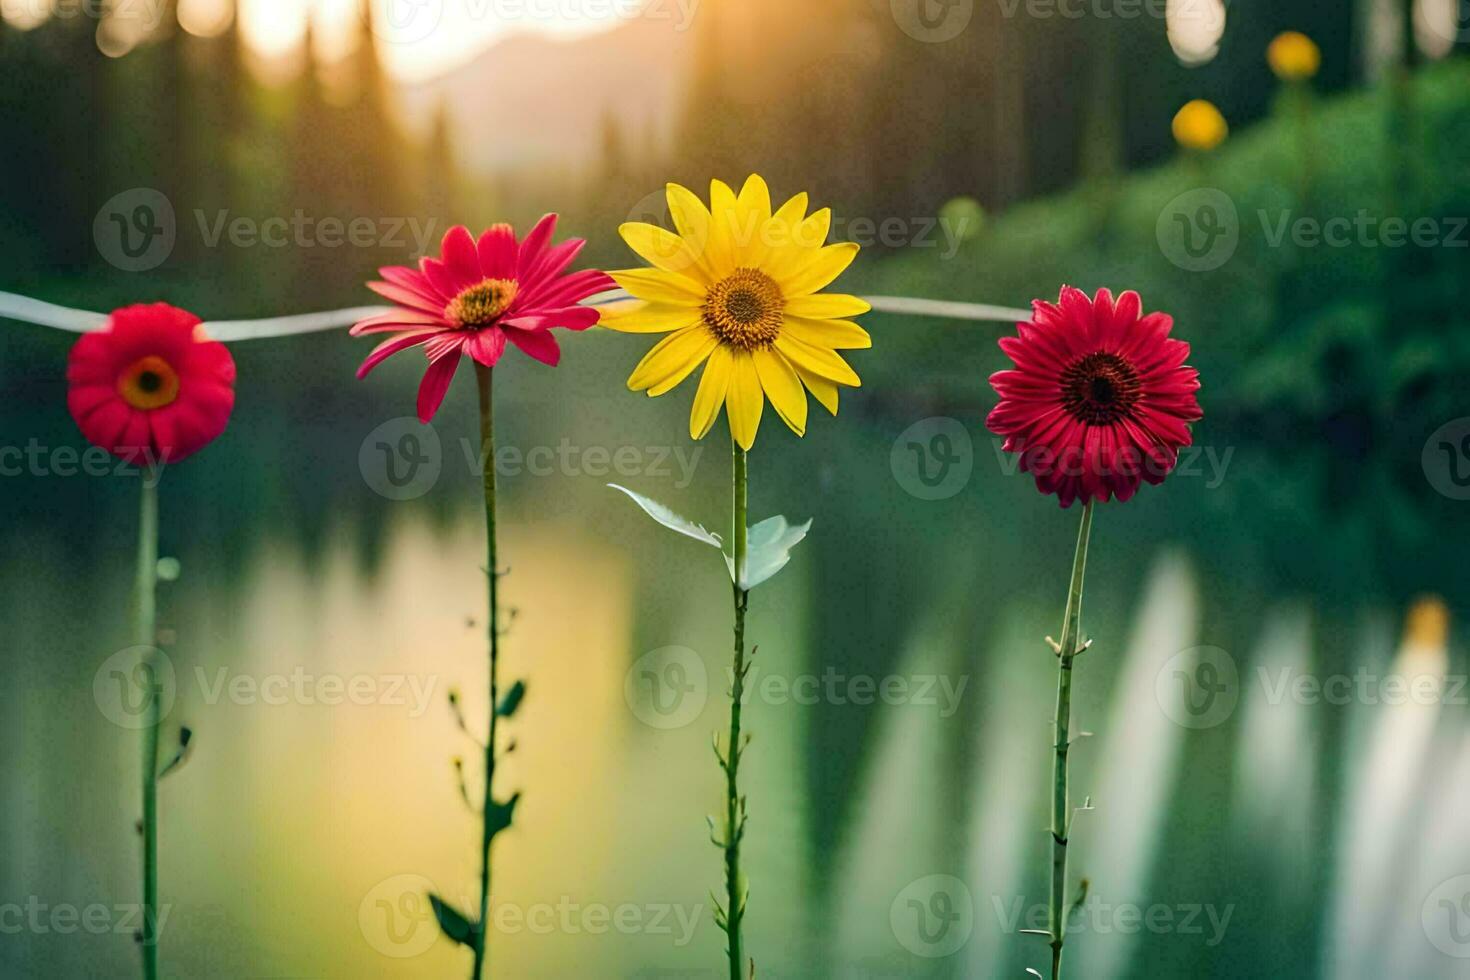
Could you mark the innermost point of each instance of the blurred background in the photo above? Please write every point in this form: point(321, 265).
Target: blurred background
point(1277, 688)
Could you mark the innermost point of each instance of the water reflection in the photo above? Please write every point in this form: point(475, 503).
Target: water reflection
point(298, 839)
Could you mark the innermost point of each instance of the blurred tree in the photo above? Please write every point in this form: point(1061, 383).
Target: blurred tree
point(441, 181)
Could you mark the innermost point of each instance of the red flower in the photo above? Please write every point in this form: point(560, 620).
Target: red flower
point(151, 387)
point(1099, 398)
point(476, 296)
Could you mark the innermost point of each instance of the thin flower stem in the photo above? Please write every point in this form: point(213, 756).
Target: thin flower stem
point(734, 802)
point(145, 634)
point(492, 569)
point(1067, 650)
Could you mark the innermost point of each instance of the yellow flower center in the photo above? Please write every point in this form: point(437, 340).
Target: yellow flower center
point(482, 303)
point(744, 309)
point(149, 382)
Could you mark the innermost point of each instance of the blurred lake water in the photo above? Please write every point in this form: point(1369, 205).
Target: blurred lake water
point(1243, 826)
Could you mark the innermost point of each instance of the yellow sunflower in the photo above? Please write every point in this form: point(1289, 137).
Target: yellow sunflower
point(737, 290)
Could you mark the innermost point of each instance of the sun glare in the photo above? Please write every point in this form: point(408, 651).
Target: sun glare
point(417, 39)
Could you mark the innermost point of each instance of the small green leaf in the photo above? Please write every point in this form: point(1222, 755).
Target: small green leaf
point(512, 700)
point(452, 923)
point(669, 519)
point(767, 549)
point(186, 737)
point(499, 816)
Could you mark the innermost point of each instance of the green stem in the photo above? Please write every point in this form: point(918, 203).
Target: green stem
point(146, 635)
point(1068, 649)
point(492, 573)
point(734, 802)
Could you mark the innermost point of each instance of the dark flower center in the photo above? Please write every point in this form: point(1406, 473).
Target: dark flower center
point(149, 382)
point(1100, 388)
point(744, 309)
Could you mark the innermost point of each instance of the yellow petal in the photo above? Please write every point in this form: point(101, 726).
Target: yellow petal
point(818, 360)
point(672, 359)
point(744, 400)
point(750, 231)
point(834, 334)
point(826, 306)
point(813, 231)
point(692, 219)
point(723, 216)
point(755, 196)
point(657, 286)
point(713, 384)
point(782, 387)
point(781, 231)
point(825, 265)
point(660, 248)
point(647, 317)
point(822, 390)
point(800, 248)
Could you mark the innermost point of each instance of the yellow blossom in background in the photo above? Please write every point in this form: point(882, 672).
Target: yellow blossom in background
point(1293, 56)
point(737, 291)
point(1200, 126)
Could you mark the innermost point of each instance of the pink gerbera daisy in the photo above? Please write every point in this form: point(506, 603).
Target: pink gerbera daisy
point(150, 387)
point(478, 295)
point(1099, 398)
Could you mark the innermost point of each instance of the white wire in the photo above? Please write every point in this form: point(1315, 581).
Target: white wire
point(27, 310)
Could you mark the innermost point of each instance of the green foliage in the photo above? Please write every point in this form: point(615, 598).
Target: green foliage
point(452, 923)
point(511, 701)
point(500, 814)
point(1336, 361)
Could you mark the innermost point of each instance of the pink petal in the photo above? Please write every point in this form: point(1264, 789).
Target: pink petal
point(440, 275)
point(413, 280)
point(499, 252)
point(461, 257)
point(392, 346)
point(571, 317)
point(535, 243)
point(537, 343)
point(395, 320)
point(405, 297)
point(435, 385)
point(487, 345)
point(446, 343)
point(552, 262)
point(568, 289)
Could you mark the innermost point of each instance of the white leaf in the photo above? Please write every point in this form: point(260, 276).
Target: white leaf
point(767, 549)
point(669, 519)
